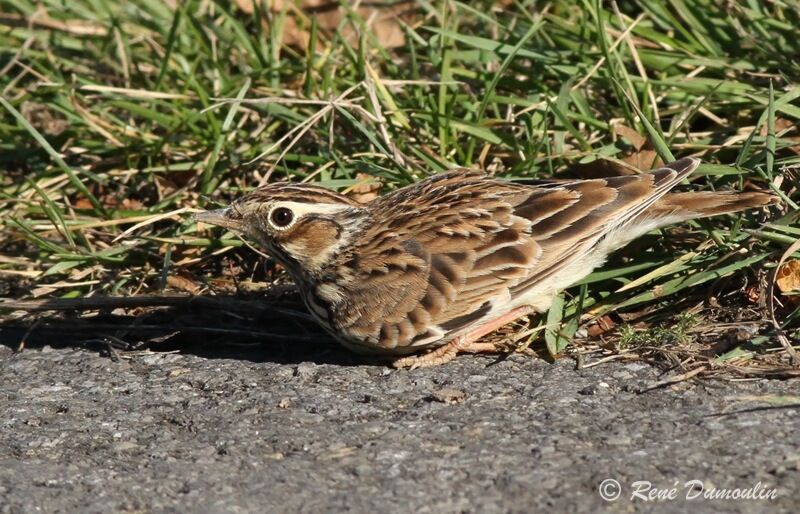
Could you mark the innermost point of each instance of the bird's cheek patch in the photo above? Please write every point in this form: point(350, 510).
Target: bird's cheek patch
point(312, 240)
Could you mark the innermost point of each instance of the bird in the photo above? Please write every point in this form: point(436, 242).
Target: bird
point(422, 273)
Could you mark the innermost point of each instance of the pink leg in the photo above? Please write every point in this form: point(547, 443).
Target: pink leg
point(467, 343)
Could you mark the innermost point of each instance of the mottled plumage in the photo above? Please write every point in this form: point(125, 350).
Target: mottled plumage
point(440, 263)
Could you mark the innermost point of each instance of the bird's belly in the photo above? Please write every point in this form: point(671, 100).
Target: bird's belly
point(364, 345)
point(540, 295)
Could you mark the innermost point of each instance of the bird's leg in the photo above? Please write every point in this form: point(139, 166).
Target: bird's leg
point(466, 343)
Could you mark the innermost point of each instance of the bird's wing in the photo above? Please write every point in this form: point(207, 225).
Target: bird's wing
point(569, 221)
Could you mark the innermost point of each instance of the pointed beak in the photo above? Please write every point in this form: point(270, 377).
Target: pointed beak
point(220, 218)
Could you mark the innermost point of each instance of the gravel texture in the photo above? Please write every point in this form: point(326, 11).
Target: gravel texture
point(246, 432)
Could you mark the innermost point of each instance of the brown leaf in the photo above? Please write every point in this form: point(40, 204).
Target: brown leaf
point(637, 140)
point(752, 293)
point(43, 118)
point(83, 203)
point(602, 325)
point(382, 18)
point(787, 129)
point(366, 190)
point(788, 279)
point(645, 159)
point(222, 284)
point(781, 124)
point(183, 283)
point(132, 204)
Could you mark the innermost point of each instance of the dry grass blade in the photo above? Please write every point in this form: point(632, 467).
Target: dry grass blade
point(675, 379)
point(153, 219)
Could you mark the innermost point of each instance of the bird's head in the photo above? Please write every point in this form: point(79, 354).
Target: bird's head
point(301, 225)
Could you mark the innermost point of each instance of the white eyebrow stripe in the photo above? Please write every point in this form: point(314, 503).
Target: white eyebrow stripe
point(300, 209)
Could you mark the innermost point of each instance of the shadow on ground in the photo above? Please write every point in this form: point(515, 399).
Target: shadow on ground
point(210, 327)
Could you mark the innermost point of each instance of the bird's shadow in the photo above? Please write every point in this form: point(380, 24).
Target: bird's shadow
point(211, 327)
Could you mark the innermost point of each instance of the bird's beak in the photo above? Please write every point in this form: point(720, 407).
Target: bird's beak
point(220, 218)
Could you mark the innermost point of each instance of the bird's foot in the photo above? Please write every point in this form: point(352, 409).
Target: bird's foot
point(467, 343)
point(444, 354)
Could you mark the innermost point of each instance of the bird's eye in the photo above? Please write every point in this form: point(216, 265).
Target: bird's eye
point(281, 217)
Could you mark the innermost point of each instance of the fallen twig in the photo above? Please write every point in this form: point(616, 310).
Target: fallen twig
point(675, 379)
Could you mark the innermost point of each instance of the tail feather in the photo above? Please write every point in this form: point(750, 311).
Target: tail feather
point(678, 207)
point(702, 204)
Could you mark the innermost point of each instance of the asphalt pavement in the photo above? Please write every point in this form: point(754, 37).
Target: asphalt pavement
point(253, 430)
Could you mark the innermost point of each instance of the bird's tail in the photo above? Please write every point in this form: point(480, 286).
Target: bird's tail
point(703, 204)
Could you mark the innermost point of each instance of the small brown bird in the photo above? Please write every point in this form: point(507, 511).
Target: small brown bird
point(424, 272)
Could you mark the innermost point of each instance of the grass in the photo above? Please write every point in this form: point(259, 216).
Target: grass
point(659, 335)
point(119, 119)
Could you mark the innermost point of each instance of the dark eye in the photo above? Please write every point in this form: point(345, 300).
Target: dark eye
point(281, 217)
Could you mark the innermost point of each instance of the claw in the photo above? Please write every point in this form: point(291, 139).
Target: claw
point(436, 357)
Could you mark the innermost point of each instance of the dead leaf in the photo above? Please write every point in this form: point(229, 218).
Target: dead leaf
point(382, 18)
point(752, 293)
point(644, 157)
point(602, 325)
point(83, 203)
point(43, 118)
point(132, 204)
point(366, 189)
point(637, 140)
point(788, 280)
point(183, 283)
point(781, 124)
point(787, 130)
